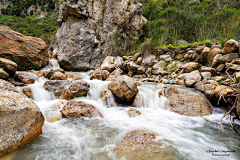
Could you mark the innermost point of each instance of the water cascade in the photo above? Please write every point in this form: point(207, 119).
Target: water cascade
point(96, 138)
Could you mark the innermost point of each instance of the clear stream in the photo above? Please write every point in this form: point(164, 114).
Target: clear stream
point(94, 139)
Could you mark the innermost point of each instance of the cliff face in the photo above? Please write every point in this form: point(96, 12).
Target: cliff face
point(90, 30)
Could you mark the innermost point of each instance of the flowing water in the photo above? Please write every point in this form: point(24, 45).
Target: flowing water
point(95, 138)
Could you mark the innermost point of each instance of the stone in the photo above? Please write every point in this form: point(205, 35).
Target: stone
point(5, 85)
point(148, 60)
point(58, 76)
point(222, 91)
point(238, 105)
point(117, 72)
point(215, 60)
point(220, 67)
point(148, 72)
point(213, 52)
point(118, 62)
point(8, 66)
point(162, 72)
point(48, 73)
point(192, 77)
point(105, 74)
point(138, 76)
point(237, 76)
point(28, 92)
point(139, 60)
point(201, 86)
point(91, 30)
point(238, 61)
point(72, 76)
point(132, 66)
point(111, 78)
point(209, 94)
point(199, 49)
point(227, 58)
point(28, 52)
point(166, 58)
point(191, 66)
point(108, 98)
point(124, 88)
point(40, 73)
point(58, 106)
point(180, 81)
point(179, 57)
point(208, 69)
point(188, 103)
point(141, 70)
point(159, 66)
point(137, 139)
point(133, 112)
point(66, 89)
point(204, 55)
point(218, 78)
point(25, 78)
point(77, 88)
point(79, 109)
point(231, 66)
point(130, 74)
point(108, 64)
point(3, 74)
point(206, 75)
point(230, 46)
point(194, 56)
point(136, 56)
point(21, 121)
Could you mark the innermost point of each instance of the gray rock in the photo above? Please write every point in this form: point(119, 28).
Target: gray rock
point(206, 75)
point(149, 60)
point(3, 74)
point(88, 33)
point(166, 58)
point(230, 46)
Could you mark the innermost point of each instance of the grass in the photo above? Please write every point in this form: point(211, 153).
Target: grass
point(3, 46)
point(45, 28)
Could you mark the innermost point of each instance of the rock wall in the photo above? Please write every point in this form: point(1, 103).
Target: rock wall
point(90, 30)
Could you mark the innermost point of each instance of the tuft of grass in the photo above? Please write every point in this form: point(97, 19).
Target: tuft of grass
point(3, 46)
point(115, 22)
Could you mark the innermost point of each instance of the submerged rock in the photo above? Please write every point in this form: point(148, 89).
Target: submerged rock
point(124, 88)
point(28, 52)
point(79, 109)
point(133, 112)
point(187, 102)
point(108, 98)
point(21, 121)
point(28, 92)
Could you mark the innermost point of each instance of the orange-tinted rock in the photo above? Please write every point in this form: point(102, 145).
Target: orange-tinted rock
point(21, 121)
point(40, 73)
point(56, 86)
point(77, 88)
point(58, 76)
point(28, 52)
point(28, 92)
point(58, 105)
point(133, 112)
point(111, 78)
point(9, 66)
point(25, 78)
point(72, 76)
point(79, 109)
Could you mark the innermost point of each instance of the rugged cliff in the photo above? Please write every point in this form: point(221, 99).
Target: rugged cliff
point(90, 30)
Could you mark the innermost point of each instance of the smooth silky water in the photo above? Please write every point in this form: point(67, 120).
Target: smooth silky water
point(95, 138)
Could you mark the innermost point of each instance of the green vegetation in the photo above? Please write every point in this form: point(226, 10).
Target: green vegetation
point(19, 7)
point(15, 59)
point(44, 28)
point(3, 46)
point(172, 20)
point(115, 22)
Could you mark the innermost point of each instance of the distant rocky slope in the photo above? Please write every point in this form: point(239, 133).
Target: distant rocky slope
point(90, 30)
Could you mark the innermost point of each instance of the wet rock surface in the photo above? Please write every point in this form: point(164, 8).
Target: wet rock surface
point(79, 109)
point(25, 78)
point(21, 121)
point(188, 103)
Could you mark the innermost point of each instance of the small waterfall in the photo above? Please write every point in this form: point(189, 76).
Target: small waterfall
point(96, 88)
point(150, 96)
point(54, 63)
point(39, 93)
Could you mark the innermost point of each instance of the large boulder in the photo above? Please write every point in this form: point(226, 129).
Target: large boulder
point(187, 102)
point(124, 88)
point(21, 121)
point(66, 89)
point(9, 66)
point(25, 78)
point(79, 109)
point(230, 46)
point(28, 52)
point(91, 30)
point(204, 55)
point(148, 60)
